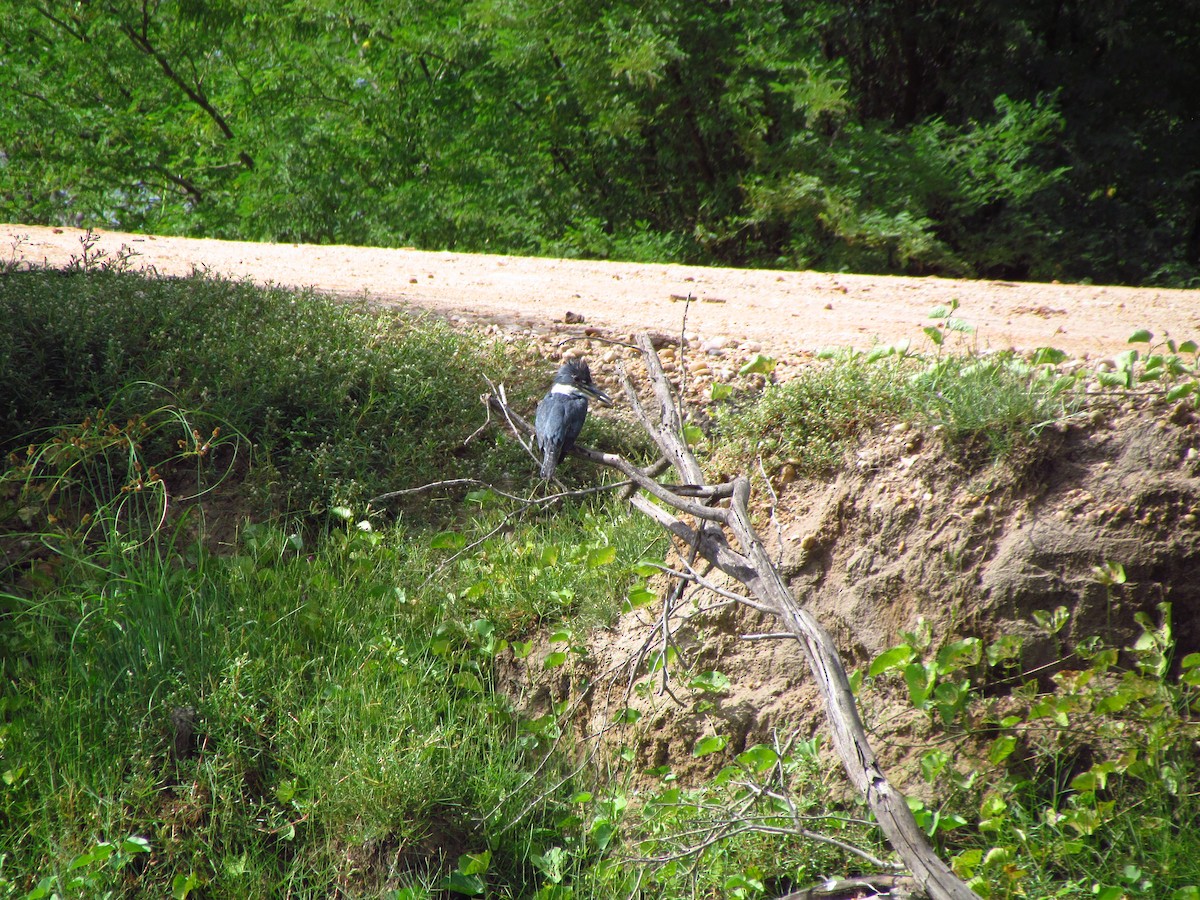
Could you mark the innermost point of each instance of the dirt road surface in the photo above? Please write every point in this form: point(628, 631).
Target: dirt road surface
point(789, 314)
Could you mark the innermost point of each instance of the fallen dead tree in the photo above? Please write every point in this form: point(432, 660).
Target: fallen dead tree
point(713, 522)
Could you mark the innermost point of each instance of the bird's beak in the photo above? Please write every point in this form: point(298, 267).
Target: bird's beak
point(597, 394)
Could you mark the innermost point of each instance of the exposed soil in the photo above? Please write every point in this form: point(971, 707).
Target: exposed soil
point(910, 535)
point(790, 314)
point(906, 533)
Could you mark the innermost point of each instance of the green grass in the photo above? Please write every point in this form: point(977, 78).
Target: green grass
point(996, 405)
point(340, 403)
point(340, 675)
point(341, 681)
point(811, 420)
point(343, 697)
point(985, 406)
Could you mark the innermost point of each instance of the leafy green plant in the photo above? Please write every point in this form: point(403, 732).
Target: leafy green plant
point(811, 420)
point(96, 872)
point(1088, 777)
point(1170, 363)
point(336, 400)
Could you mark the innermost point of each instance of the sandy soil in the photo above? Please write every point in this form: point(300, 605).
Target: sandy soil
point(789, 314)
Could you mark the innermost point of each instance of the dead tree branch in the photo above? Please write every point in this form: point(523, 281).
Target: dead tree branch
point(714, 532)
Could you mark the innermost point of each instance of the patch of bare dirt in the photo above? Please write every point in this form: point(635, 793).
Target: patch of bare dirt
point(786, 313)
point(907, 535)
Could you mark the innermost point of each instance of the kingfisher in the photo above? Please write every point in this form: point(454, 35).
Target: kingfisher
point(561, 413)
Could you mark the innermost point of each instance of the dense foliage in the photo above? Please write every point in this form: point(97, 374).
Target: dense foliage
point(335, 400)
point(329, 712)
point(1016, 140)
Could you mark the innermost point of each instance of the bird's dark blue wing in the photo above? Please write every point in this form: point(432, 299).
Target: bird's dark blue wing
point(558, 422)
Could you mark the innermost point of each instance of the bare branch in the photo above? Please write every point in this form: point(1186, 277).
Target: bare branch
point(752, 566)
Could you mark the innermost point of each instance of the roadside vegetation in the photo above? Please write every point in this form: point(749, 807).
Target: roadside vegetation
point(225, 675)
point(969, 139)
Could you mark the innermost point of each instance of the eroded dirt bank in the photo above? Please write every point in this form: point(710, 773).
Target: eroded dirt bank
point(905, 533)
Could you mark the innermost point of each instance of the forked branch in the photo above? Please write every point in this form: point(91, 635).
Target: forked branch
point(710, 532)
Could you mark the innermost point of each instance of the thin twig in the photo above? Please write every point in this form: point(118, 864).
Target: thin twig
point(769, 636)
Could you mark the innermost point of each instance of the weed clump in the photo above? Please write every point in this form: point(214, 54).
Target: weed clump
point(811, 420)
point(338, 401)
point(985, 406)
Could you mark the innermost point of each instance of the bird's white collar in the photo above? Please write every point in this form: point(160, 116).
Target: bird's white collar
point(570, 389)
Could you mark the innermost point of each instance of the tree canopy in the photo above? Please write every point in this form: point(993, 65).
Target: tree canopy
point(971, 137)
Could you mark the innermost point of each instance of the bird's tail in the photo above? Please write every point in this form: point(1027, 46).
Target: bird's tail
point(549, 462)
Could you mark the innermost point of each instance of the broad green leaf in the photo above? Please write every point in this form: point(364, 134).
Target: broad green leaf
point(469, 681)
point(711, 681)
point(714, 743)
point(1048, 356)
point(555, 659)
point(448, 540)
point(601, 556)
point(760, 365)
point(960, 325)
point(1001, 748)
point(759, 758)
point(965, 863)
point(1181, 390)
point(1141, 336)
point(933, 763)
point(97, 853)
point(468, 885)
point(182, 885)
point(692, 435)
point(917, 678)
point(1112, 379)
point(934, 334)
point(959, 654)
point(640, 596)
point(719, 391)
point(726, 775)
point(602, 834)
point(894, 658)
point(626, 716)
point(475, 863)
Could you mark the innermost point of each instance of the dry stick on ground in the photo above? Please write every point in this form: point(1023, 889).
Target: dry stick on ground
point(753, 568)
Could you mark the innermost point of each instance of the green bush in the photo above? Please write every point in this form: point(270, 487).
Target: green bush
point(342, 402)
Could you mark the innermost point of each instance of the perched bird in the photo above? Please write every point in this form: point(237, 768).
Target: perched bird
point(561, 413)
